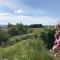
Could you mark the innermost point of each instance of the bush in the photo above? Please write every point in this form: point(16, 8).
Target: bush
point(3, 38)
point(17, 29)
point(48, 37)
point(13, 31)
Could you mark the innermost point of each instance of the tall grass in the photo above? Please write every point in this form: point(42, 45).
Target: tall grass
point(29, 49)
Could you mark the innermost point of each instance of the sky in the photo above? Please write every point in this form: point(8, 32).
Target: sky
point(46, 12)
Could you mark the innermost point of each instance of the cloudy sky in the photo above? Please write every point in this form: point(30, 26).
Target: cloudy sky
point(46, 12)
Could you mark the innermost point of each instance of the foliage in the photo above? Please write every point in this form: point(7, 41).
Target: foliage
point(13, 31)
point(48, 37)
point(18, 29)
point(25, 46)
point(3, 37)
point(35, 26)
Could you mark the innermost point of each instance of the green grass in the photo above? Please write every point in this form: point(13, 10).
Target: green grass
point(29, 49)
point(34, 30)
point(15, 39)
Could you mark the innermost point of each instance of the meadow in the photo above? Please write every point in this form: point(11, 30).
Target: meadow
point(26, 46)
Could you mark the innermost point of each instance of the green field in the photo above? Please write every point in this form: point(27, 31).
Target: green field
point(29, 49)
point(26, 47)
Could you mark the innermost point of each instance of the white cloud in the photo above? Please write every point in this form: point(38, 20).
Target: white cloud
point(19, 11)
point(5, 18)
point(45, 20)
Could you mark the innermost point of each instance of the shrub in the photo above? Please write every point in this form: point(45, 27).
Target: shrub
point(4, 36)
point(13, 31)
point(48, 37)
point(17, 29)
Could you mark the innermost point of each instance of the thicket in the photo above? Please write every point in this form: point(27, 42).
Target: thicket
point(10, 31)
point(48, 37)
point(17, 29)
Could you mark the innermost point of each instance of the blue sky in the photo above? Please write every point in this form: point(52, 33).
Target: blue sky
point(46, 12)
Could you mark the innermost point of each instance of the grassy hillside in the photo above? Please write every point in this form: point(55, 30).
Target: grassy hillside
point(29, 49)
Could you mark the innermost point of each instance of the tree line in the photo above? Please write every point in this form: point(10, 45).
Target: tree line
point(36, 26)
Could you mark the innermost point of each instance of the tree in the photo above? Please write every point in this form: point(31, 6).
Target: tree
point(18, 29)
point(35, 26)
point(13, 31)
point(10, 25)
point(23, 29)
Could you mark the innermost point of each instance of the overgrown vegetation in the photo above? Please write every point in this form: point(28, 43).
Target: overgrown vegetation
point(4, 36)
point(29, 49)
point(20, 42)
point(17, 29)
point(48, 37)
